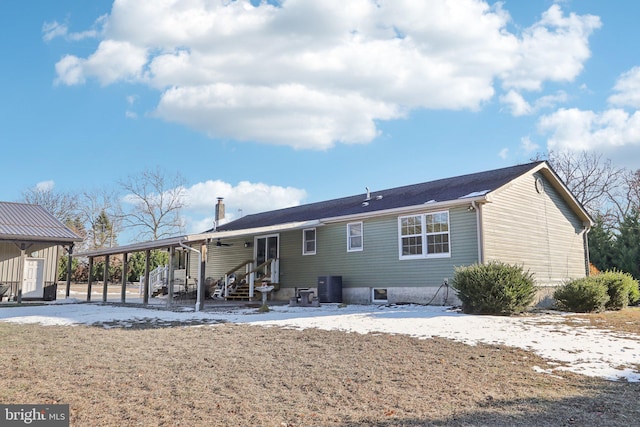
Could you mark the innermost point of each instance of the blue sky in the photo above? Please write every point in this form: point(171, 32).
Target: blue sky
point(273, 106)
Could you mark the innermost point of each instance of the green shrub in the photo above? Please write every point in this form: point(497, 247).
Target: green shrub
point(494, 288)
point(634, 294)
point(582, 296)
point(621, 287)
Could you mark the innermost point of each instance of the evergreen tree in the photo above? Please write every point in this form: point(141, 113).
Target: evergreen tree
point(601, 245)
point(626, 254)
point(136, 263)
point(103, 233)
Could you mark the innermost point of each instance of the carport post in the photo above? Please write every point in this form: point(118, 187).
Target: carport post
point(23, 258)
point(69, 269)
point(123, 291)
point(147, 272)
point(171, 278)
point(203, 273)
point(89, 279)
point(105, 278)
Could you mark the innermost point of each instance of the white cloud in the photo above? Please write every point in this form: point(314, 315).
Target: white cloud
point(504, 153)
point(248, 196)
point(627, 90)
point(51, 30)
point(45, 186)
point(292, 115)
point(516, 103)
point(245, 197)
point(555, 49)
point(518, 106)
point(313, 74)
point(577, 130)
point(112, 61)
point(70, 70)
point(528, 146)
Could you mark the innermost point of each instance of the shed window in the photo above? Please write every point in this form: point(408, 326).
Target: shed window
point(309, 241)
point(424, 235)
point(354, 236)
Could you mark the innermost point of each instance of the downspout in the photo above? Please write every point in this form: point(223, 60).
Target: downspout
point(587, 261)
point(480, 233)
point(198, 298)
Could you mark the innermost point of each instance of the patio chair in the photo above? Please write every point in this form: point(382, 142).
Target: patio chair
point(4, 291)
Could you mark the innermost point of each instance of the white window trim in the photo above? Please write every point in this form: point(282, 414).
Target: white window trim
point(419, 256)
point(304, 241)
point(379, 301)
point(424, 236)
point(361, 247)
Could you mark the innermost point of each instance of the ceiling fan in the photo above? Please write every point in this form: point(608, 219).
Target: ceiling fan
point(219, 243)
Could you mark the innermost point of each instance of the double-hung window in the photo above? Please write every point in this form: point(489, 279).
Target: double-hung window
point(424, 235)
point(354, 236)
point(309, 241)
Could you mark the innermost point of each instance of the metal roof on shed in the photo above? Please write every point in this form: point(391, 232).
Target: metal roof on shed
point(26, 222)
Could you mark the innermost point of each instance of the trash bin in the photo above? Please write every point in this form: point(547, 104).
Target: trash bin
point(329, 289)
point(50, 292)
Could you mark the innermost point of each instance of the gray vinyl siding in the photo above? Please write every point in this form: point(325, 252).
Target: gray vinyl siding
point(538, 231)
point(221, 259)
point(378, 264)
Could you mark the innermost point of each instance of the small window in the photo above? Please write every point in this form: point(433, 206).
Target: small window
point(354, 236)
point(309, 241)
point(379, 295)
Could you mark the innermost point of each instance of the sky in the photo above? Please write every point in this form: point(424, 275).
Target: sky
point(280, 103)
point(580, 349)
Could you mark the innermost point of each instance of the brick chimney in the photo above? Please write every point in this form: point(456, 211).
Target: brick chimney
point(219, 212)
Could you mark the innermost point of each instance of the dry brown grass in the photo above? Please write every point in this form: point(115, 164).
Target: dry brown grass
point(239, 375)
point(627, 320)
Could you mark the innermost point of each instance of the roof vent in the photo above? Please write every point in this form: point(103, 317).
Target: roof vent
point(368, 193)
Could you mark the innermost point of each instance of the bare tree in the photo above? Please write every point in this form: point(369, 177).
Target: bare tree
point(628, 196)
point(63, 206)
point(155, 202)
point(593, 181)
point(101, 213)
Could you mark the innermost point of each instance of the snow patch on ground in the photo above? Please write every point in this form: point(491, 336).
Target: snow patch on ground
point(584, 350)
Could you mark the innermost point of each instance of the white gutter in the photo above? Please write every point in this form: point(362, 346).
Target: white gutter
point(408, 209)
point(252, 231)
point(199, 286)
point(585, 248)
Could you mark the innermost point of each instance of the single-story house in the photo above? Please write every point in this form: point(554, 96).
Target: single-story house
point(31, 243)
point(394, 245)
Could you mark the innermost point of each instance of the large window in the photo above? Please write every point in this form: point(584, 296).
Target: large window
point(424, 235)
point(354, 236)
point(309, 241)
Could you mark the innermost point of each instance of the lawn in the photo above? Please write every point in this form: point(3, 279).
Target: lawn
point(230, 374)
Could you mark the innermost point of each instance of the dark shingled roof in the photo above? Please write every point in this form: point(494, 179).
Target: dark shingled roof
point(442, 190)
point(22, 221)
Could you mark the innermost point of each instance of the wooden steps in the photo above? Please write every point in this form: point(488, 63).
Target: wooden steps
point(242, 294)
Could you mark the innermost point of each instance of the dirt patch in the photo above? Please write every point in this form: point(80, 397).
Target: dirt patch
point(228, 375)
